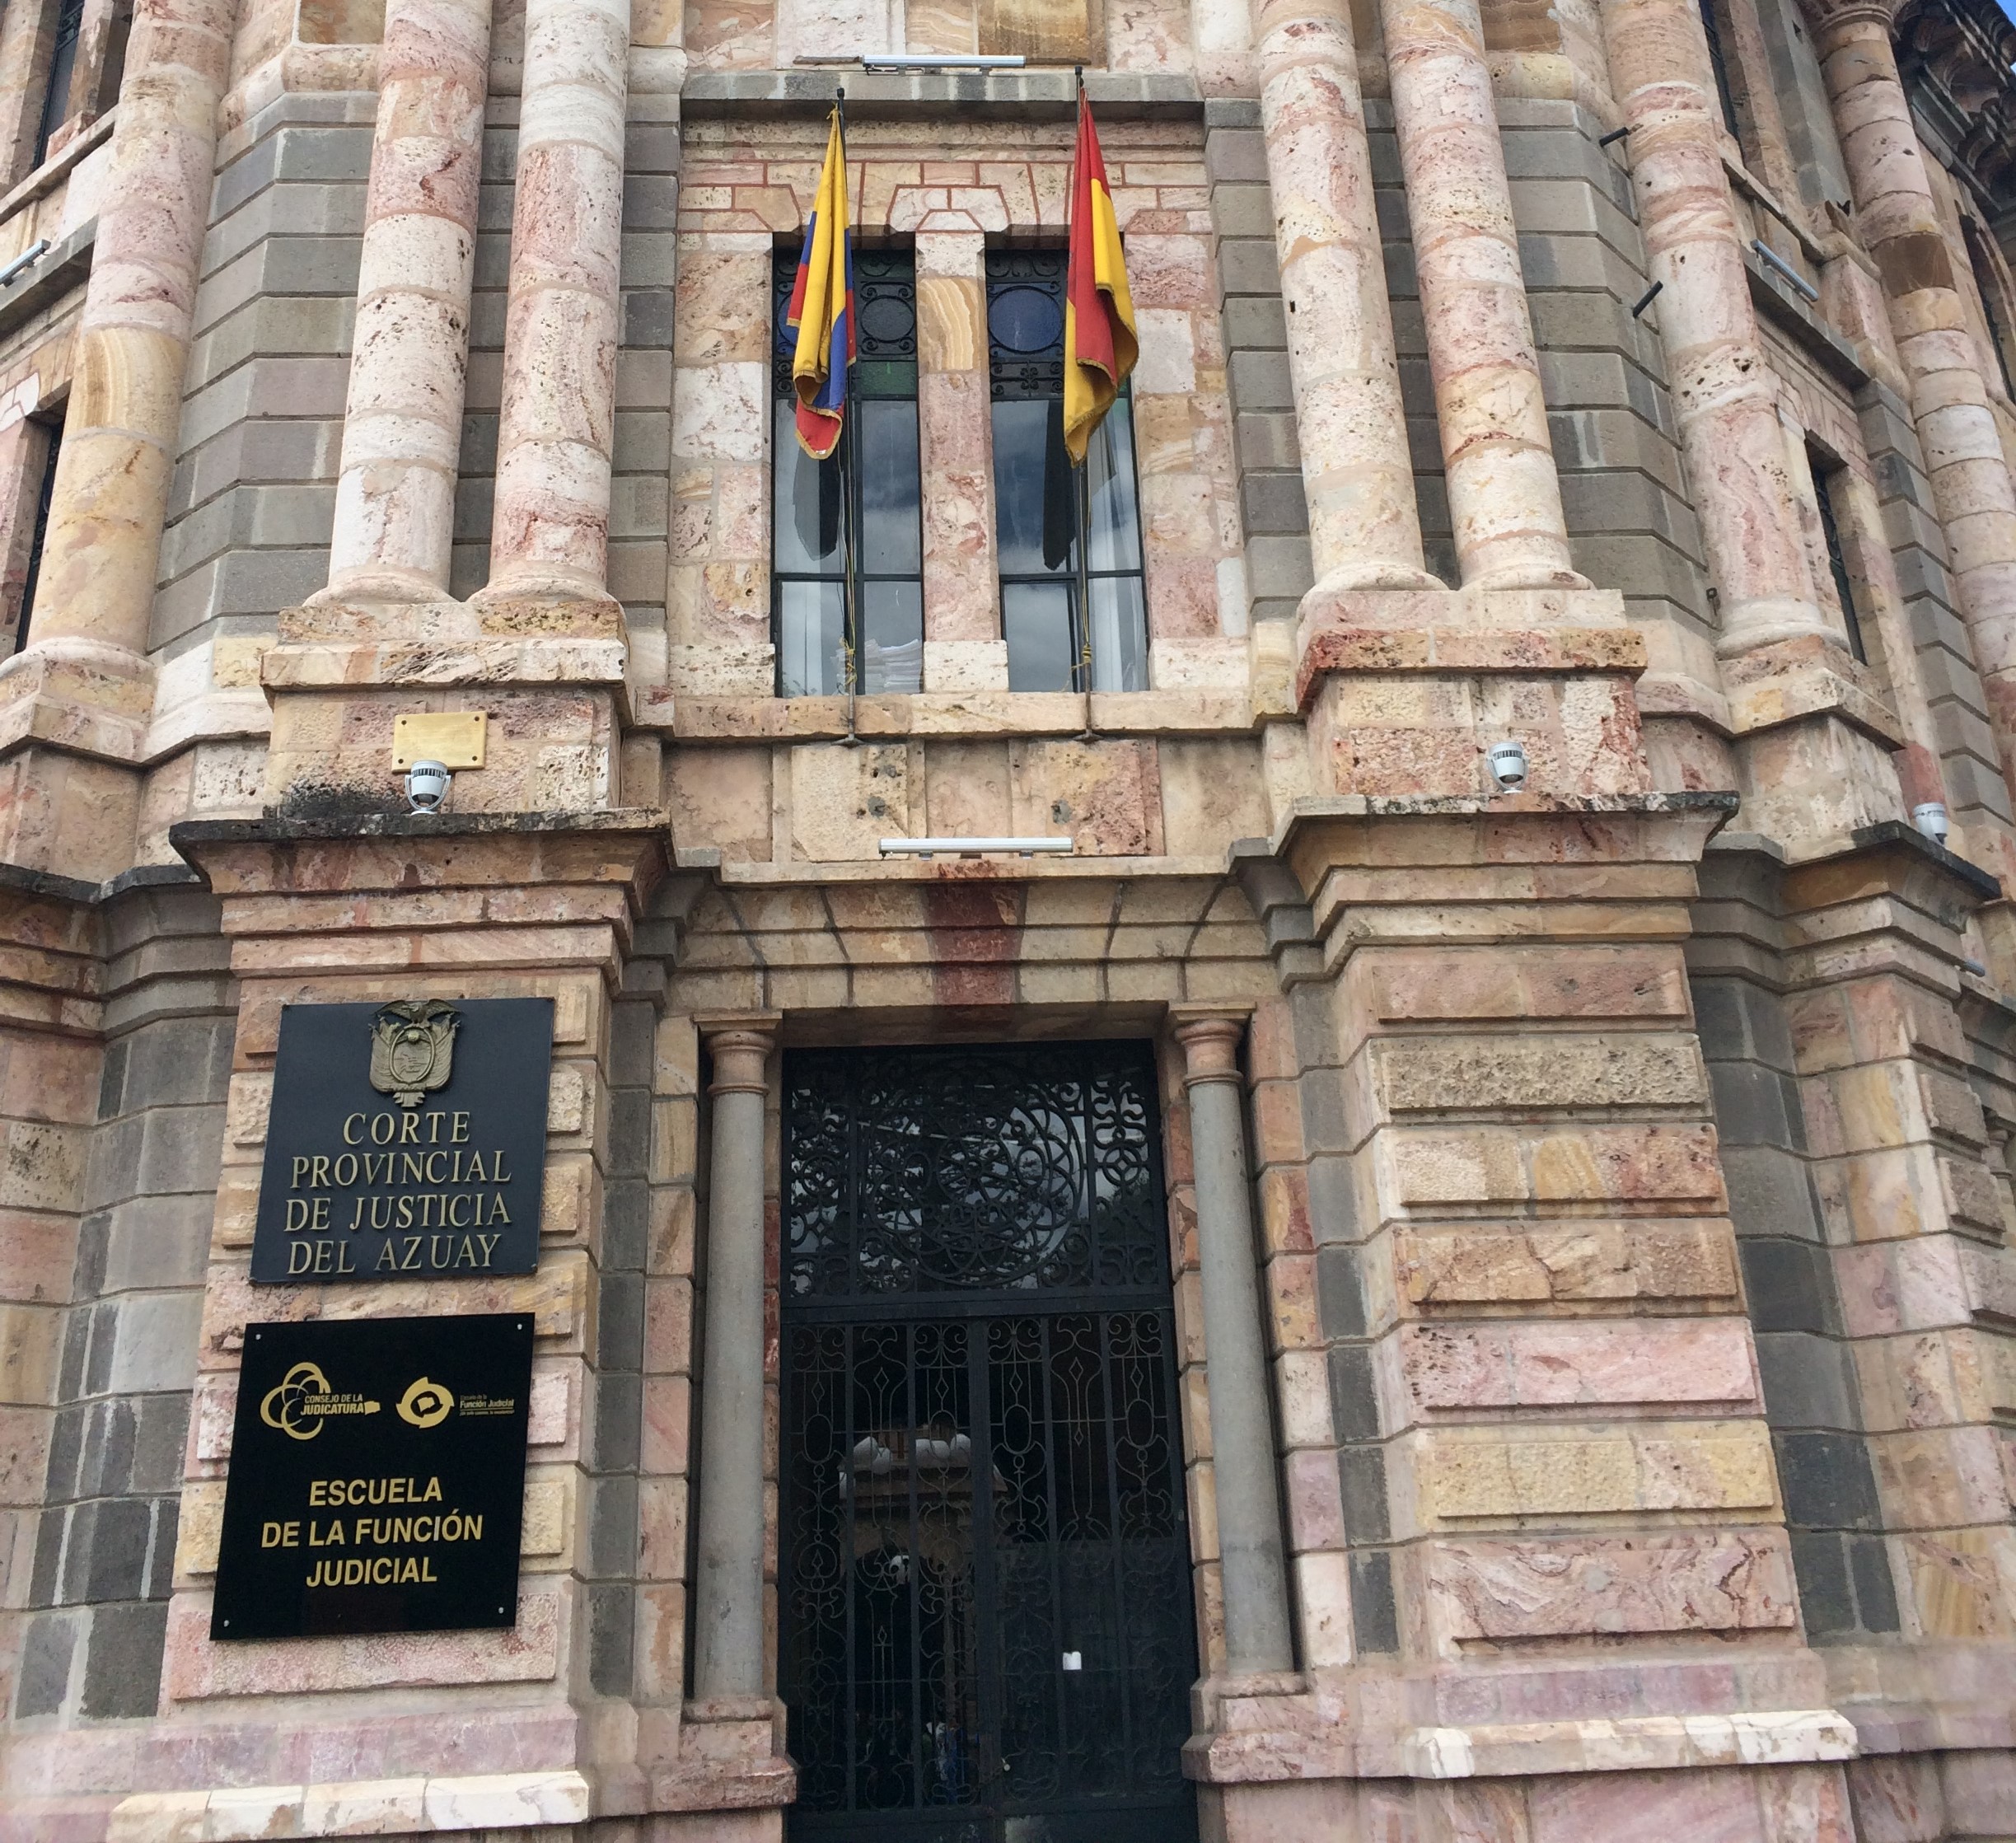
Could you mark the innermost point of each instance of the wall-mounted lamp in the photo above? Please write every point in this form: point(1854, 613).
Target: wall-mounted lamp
point(1507, 761)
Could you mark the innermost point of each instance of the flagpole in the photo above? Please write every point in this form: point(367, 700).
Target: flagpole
point(850, 431)
point(1083, 472)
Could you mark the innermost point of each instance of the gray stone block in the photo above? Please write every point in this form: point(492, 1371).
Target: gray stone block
point(1826, 1599)
point(1361, 1487)
point(1771, 1192)
point(1827, 1479)
point(1260, 380)
point(650, 202)
point(1255, 322)
point(612, 1527)
point(157, 1335)
point(649, 316)
point(1339, 1290)
point(1752, 1106)
point(1375, 1618)
point(1274, 502)
point(1250, 264)
point(1220, 112)
point(1333, 1211)
point(637, 572)
point(1242, 211)
point(46, 1655)
point(1875, 1594)
point(1354, 1396)
point(1809, 1382)
point(644, 441)
point(619, 1420)
point(611, 1644)
point(1267, 439)
point(620, 1322)
point(160, 1432)
point(116, 1569)
point(1235, 154)
point(122, 1669)
point(180, 1149)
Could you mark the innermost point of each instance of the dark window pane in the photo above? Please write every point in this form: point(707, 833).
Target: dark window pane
point(808, 505)
point(810, 639)
point(1035, 621)
point(1027, 475)
point(891, 545)
point(892, 627)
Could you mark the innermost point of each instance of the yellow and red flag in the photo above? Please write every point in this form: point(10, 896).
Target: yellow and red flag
point(1099, 343)
point(822, 308)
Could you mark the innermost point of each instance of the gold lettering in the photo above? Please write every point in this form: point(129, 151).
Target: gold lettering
point(458, 1131)
point(409, 1130)
point(433, 1176)
point(301, 1166)
point(489, 1247)
point(388, 1123)
point(318, 1172)
point(410, 1171)
point(336, 1170)
point(351, 1138)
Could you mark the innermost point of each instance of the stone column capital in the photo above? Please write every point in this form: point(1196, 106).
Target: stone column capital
point(1210, 1037)
point(1825, 15)
point(740, 1042)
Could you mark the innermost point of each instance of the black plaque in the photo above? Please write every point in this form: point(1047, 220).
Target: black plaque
point(406, 1139)
point(378, 1477)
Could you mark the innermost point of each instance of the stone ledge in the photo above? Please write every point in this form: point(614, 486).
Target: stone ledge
point(273, 830)
point(63, 266)
point(359, 1808)
point(1467, 650)
point(967, 716)
point(1019, 95)
point(1629, 1743)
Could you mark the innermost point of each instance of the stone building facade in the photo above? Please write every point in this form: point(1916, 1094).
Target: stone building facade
point(1587, 1387)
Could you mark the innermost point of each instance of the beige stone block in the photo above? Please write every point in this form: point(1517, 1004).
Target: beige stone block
point(843, 802)
point(1594, 1261)
point(1427, 1073)
point(1212, 794)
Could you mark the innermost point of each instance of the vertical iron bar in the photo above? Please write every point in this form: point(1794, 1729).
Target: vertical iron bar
point(1060, 1729)
point(1084, 582)
point(914, 1565)
point(851, 1356)
point(985, 1755)
point(1123, 1678)
point(850, 454)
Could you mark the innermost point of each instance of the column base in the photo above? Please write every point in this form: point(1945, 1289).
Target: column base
point(549, 674)
point(731, 1758)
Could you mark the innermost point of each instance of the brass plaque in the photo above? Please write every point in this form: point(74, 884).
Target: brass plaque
point(454, 738)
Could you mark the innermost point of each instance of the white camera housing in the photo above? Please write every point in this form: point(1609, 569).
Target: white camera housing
point(1507, 761)
point(1931, 819)
point(427, 786)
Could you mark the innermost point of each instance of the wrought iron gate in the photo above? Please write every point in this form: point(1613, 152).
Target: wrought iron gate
point(985, 1582)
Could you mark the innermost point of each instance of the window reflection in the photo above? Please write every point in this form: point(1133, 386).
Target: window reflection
point(877, 463)
point(1035, 498)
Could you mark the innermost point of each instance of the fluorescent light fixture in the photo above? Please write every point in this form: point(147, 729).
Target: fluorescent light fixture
point(939, 60)
point(27, 259)
point(973, 848)
point(1771, 260)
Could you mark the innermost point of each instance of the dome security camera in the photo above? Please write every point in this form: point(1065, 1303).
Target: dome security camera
point(1930, 818)
point(427, 786)
point(1507, 761)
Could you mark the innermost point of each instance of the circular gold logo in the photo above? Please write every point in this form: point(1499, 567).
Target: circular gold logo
point(284, 1406)
point(425, 1404)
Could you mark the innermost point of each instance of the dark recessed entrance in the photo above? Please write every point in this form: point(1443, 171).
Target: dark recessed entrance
point(985, 1585)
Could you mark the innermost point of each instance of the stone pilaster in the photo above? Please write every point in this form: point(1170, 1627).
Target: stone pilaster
point(533, 1719)
point(963, 649)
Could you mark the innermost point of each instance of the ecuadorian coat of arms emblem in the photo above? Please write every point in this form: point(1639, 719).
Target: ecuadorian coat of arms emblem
point(413, 1048)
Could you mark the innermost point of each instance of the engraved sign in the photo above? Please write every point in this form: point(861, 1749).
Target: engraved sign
point(378, 1477)
point(406, 1139)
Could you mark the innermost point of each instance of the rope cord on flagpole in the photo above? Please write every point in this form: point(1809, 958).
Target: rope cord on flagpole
point(850, 434)
point(1083, 470)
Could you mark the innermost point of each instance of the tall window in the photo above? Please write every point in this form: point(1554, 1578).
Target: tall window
point(1988, 287)
point(1035, 498)
point(876, 464)
point(1826, 481)
point(1718, 62)
point(62, 61)
point(32, 575)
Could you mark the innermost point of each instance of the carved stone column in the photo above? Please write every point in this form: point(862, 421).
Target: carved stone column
point(1895, 214)
point(550, 533)
point(1364, 530)
point(1258, 1639)
point(727, 1593)
point(402, 427)
point(1724, 396)
point(1505, 495)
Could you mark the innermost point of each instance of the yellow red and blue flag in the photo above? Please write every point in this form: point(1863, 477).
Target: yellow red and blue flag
point(822, 308)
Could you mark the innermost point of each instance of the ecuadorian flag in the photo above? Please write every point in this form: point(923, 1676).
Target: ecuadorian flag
point(1099, 343)
point(822, 308)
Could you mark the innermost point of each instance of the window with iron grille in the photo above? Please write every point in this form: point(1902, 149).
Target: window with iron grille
point(62, 61)
point(876, 462)
point(1035, 498)
point(1717, 60)
point(45, 498)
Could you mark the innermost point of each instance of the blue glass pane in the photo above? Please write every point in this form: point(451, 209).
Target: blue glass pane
point(1119, 635)
point(891, 543)
point(805, 508)
point(892, 637)
point(1032, 489)
point(1115, 515)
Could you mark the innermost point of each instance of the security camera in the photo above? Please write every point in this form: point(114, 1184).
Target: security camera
point(1507, 761)
point(1931, 820)
point(427, 786)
